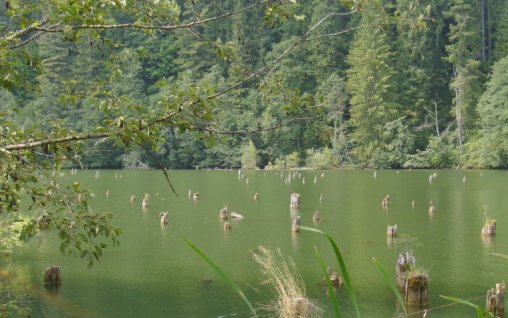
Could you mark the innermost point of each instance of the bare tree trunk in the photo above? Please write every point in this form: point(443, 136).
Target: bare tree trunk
point(436, 118)
point(458, 106)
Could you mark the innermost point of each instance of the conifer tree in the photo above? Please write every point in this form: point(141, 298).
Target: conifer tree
point(370, 82)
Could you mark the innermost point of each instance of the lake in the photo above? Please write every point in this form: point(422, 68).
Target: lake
point(154, 273)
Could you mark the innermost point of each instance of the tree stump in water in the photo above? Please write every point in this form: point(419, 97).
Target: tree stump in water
point(404, 263)
point(164, 217)
point(495, 300)
point(295, 227)
point(53, 276)
point(295, 201)
point(391, 231)
point(489, 228)
point(223, 213)
point(386, 201)
point(316, 217)
point(417, 289)
point(145, 203)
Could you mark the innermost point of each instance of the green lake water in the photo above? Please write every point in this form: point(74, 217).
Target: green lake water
point(153, 273)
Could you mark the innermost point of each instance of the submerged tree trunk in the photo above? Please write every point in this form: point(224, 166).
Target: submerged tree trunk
point(495, 300)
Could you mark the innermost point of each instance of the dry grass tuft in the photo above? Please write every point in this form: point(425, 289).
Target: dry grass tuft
point(289, 300)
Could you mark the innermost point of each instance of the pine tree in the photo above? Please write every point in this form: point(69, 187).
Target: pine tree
point(370, 82)
point(491, 148)
point(463, 53)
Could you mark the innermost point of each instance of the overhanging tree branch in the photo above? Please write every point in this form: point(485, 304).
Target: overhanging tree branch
point(38, 26)
point(34, 144)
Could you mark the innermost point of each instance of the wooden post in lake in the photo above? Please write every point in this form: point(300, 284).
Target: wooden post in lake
point(432, 207)
point(295, 227)
point(164, 218)
point(316, 217)
point(295, 201)
point(223, 213)
point(391, 231)
point(145, 203)
point(489, 228)
point(53, 276)
point(404, 263)
point(495, 300)
point(416, 291)
point(386, 201)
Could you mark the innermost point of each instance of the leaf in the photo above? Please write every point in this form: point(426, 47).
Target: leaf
point(331, 290)
point(222, 274)
point(342, 264)
point(501, 255)
point(390, 282)
point(479, 311)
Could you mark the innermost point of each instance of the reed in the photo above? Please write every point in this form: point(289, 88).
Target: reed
point(222, 274)
point(290, 300)
point(347, 280)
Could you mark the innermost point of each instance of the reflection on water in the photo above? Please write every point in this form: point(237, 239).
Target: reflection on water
point(153, 273)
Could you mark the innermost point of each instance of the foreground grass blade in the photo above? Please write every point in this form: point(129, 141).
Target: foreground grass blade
point(331, 290)
point(345, 275)
point(501, 255)
point(479, 311)
point(222, 274)
point(389, 282)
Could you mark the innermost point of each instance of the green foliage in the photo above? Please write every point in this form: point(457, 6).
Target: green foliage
point(9, 235)
point(490, 149)
point(222, 274)
point(501, 36)
point(480, 312)
point(440, 153)
point(329, 286)
point(396, 143)
point(391, 283)
point(345, 274)
point(321, 159)
point(290, 161)
point(249, 156)
point(374, 99)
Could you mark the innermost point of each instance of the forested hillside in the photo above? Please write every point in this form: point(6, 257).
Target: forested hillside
point(271, 84)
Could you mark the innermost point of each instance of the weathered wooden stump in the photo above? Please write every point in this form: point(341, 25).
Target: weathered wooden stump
point(495, 300)
point(164, 217)
point(391, 231)
point(386, 201)
point(223, 213)
point(417, 289)
point(316, 217)
point(227, 226)
point(145, 202)
point(489, 228)
point(43, 221)
point(432, 208)
point(53, 276)
point(404, 263)
point(295, 227)
point(295, 201)
point(335, 278)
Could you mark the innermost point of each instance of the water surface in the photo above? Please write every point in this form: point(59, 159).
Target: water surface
point(153, 273)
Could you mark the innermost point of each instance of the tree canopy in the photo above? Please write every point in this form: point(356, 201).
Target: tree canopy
point(232, 83)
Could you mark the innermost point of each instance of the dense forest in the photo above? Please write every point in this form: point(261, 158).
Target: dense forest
point(314, 83)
